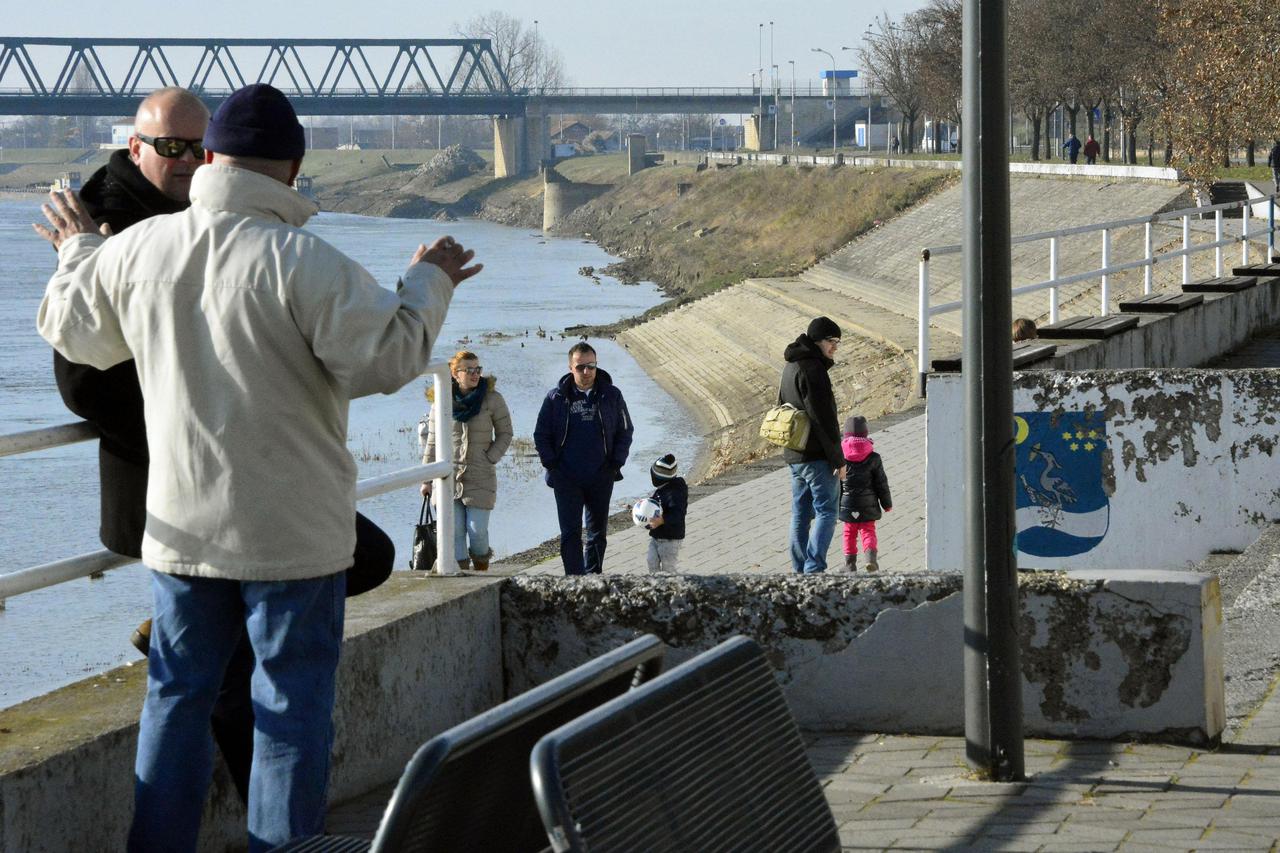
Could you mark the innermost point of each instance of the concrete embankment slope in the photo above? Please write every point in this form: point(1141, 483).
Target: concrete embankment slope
point(723, 354)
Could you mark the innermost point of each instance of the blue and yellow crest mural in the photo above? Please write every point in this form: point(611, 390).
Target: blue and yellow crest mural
point(1062, 509)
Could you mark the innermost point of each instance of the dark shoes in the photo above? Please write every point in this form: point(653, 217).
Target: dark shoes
point(141, 638)
point(850, 562)
point(481, 564)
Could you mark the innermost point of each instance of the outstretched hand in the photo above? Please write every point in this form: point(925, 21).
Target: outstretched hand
point(68, 217)
point(450, 256)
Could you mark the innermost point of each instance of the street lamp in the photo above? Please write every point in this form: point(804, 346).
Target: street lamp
point(792, 63)
point(868, 91)
point(833, 96)
point(773, 93)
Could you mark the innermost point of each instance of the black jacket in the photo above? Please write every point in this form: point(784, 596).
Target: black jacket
point(673, 497)
point(806, 385)
point(864, 490)
point(111, 399)
point(1273, 159)
point(552, 428)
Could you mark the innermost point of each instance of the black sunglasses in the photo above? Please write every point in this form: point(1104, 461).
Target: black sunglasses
point(172, 147)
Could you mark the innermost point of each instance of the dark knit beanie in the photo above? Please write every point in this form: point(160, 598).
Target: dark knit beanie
point(256, 121)
point(822, 327)
point(664, 468)
point(856, 425)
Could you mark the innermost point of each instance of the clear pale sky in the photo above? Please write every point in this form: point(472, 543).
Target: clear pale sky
point(609, 43)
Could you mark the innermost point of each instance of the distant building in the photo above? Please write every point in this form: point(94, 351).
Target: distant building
point(838, 81)
point(373, 137)
point(571, 134)
point(120, 134)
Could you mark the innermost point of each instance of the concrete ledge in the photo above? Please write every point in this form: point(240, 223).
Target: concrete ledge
point(1138, 656)
point(420, 655)
point(1068, 170)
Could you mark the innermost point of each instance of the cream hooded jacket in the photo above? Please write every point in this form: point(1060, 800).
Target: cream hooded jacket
point(251, 336)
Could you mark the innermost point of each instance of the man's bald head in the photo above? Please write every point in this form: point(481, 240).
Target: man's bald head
point(175, 113)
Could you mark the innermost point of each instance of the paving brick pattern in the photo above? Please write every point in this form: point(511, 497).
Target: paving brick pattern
point(744, 528)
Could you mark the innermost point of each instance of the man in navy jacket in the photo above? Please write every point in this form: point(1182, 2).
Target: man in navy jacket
point(583, 437)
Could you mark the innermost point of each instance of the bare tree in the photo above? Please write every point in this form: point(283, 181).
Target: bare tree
point(939, 30)
point(525, 57)
point(1033, 88)
point(891, 54)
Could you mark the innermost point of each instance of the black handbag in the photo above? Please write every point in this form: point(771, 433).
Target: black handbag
point(423, 554)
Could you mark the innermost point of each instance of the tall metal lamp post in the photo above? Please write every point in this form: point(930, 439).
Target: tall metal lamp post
point(833, 97)
point(792, 63)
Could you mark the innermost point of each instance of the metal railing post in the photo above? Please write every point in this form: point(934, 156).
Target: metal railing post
point(1053, 276)
point(1247, 213)
point(1147, 253)
point(1271, 229)
point(1186, 245)
point(1106, 278)
point(442, 416)
point(922, 331)
point(1217, 238)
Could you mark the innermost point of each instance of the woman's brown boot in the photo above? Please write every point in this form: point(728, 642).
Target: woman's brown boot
point(482, 563)
point(464, 565)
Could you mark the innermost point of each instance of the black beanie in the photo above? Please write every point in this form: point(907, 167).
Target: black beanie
point(664, 468)
point(256, 121)
point(822, 327)
point(856, 425)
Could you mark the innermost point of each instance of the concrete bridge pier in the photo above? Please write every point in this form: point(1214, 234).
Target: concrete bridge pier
point(520, 144)
point(758, 133)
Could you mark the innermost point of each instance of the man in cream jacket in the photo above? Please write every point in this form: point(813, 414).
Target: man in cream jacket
point(250, 336)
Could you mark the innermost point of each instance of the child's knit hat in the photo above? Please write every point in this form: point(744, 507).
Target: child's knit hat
point(856, 425)
point(664, 468)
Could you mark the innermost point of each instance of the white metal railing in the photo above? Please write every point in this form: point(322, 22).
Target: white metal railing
point(1150, 258)
point(93, 564)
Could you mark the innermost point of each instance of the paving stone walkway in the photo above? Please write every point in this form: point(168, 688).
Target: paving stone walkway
point(744, 528)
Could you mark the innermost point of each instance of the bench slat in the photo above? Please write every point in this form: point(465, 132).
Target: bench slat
point(1223, 284)
point(1092, 328)
point(1257, 269)
point(1161, 303)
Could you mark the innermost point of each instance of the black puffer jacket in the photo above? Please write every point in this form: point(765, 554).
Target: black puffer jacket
point(865, 488)
point(806, 385)
point(111, 399)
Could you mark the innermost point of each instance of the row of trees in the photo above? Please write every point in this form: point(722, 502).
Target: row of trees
point(1197, 77)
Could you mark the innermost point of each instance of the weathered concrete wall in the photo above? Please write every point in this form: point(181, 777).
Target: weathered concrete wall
point(1120, 469)
point(419, 656)
point(1100, 658)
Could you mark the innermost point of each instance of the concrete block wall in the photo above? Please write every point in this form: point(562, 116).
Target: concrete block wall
point(1119, 470)
point(1101, 658)
point(419, 656)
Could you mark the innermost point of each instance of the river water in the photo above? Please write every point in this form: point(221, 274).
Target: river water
point(49, 500)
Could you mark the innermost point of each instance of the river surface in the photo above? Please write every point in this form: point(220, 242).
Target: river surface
point(49, 499)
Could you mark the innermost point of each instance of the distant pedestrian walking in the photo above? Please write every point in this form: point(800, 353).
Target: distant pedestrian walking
point(1273, 160)
point(666, 532)
point(583, 437)
point(864, 492)
point(896, 144)
point(816, 469)
point(1091, 150)
point(1073, 147)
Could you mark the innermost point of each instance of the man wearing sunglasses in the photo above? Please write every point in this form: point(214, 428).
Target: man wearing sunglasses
point(583, 436)
point(251, 337)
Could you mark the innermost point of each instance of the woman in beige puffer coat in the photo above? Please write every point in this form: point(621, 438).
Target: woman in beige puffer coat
point(481, 435)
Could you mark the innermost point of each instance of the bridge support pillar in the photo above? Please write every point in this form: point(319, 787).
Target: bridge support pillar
point(758, 134)
point(520, 144)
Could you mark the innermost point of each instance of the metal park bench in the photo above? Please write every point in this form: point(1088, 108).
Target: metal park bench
point(468, 788)
point(706, 757)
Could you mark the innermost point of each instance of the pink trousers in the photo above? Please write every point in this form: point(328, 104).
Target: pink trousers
point(851, 531)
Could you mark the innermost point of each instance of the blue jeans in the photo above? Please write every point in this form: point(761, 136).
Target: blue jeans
point(815, 496)
point(470, 523)
point(574, 501)
point(295, 630)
